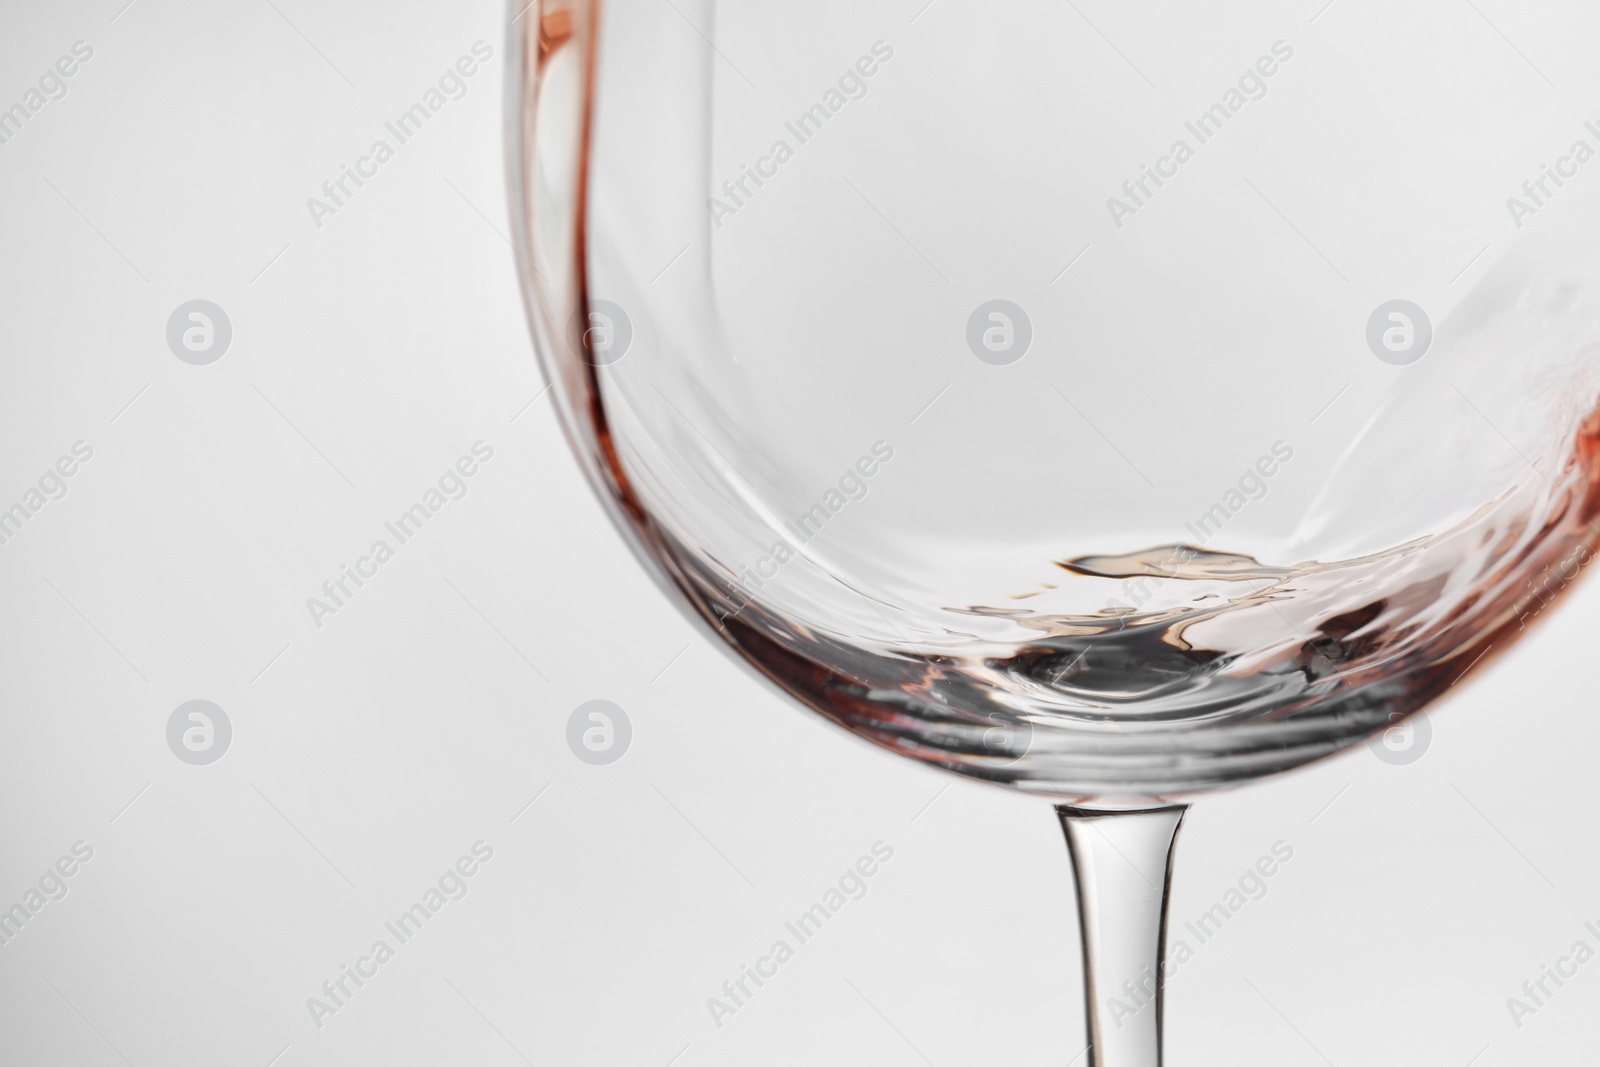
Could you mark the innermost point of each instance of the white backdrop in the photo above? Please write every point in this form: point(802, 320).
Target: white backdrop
point(427, 716)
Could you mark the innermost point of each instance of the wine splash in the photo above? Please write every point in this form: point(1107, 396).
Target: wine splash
point(1233, 670)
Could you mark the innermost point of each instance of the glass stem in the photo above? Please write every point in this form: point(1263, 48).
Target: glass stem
point(1123, 861)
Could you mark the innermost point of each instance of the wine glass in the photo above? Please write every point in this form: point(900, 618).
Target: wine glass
point(1108, 406)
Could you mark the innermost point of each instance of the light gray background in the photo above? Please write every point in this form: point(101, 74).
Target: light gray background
point(426, 715)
